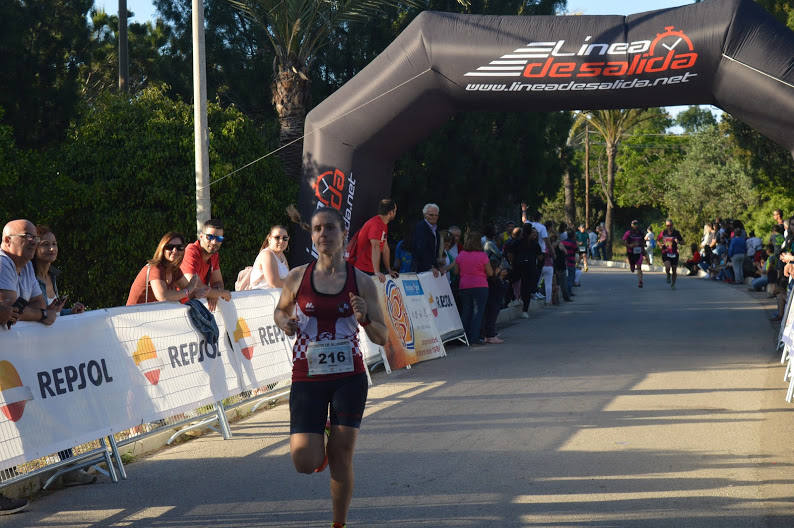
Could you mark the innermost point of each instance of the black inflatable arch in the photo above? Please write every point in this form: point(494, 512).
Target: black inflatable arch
point(728, 53)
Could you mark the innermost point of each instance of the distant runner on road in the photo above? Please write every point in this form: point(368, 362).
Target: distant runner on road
point(669, 239)
point(323, 303)
point(635, 242)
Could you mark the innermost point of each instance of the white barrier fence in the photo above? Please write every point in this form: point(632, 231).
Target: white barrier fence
point(96, 374)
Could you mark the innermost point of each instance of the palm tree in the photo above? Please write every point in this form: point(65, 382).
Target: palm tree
point(297, 29)
point(612, 125)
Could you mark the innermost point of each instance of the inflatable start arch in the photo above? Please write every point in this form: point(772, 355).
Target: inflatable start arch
point(728, 53)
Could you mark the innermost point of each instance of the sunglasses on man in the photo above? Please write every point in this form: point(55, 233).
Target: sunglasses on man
point(211, 237)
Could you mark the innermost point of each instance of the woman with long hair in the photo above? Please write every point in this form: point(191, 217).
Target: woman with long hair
point(46, 273)
point(474, 268)
point(323, 303)
point(271, 267)
point(161, 279)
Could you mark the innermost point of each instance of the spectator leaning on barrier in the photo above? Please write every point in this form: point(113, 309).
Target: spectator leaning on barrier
point(161, 279)
point(201, 259)
point(46, 273)
point(372, 248)
point(427, 240)
point(271, 267)
point(18, 282)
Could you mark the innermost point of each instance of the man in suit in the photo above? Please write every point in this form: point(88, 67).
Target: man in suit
point(426, 240)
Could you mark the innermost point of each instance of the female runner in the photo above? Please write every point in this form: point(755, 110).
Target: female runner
point(323, 303)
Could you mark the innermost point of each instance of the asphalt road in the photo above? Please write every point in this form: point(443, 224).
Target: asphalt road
point(625, 408)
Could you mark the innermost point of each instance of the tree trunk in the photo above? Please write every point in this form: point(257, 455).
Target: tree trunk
point(586, 177)
point(570, 205)
point(291, 97)
point(612, 150)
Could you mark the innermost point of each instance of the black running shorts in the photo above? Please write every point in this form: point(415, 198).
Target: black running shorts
point(673, 260)
point(634, 260)
point(309, 402)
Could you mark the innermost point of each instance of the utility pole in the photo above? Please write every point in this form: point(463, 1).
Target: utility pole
point(124, 60)
point(200, 128)
point(587, 176)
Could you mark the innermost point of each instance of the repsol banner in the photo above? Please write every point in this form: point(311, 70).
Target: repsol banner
point(100, 372)
point(728, 53)
point(442, 306)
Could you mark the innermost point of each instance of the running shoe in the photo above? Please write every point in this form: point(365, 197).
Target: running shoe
point(524, 315)
point(672, 286)
point(668, 279)
point(494, 340)
point(324, 464)
point(639, 285)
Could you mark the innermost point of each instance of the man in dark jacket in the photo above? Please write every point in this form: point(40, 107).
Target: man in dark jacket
point(426, 240)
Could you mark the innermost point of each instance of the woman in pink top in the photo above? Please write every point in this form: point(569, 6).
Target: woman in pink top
point(474, 269)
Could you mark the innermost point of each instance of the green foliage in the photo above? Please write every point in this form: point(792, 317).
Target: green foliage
point(43, 43)
point(695, 118)
point(708, 183)
point(646, 159)
point(126, 176)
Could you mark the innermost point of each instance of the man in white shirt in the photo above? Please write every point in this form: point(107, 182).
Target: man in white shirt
point(17, 277)
point(753, 244)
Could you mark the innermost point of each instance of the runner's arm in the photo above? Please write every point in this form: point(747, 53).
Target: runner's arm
point(367, 308)
point(284, 315)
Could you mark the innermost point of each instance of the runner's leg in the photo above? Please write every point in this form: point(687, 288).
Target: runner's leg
point(307, 450)
point(340, 462)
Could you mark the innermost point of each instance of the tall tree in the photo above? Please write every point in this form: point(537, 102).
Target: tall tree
point(611, 125)
point(695, 118)
point(297, 29)
point(42, 46)
point(149, 60)
point(238, 55)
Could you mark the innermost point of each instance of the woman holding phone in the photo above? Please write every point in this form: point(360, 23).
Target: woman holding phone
point(46, 273)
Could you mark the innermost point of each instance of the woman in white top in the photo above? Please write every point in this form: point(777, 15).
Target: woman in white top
point(270, 266)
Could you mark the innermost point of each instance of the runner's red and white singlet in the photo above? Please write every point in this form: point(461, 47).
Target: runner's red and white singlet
point(325, 317)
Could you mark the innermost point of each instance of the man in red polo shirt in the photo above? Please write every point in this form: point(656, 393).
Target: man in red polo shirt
point(371, 246)
point(201, 259)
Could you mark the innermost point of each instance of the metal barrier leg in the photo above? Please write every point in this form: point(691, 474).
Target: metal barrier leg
point(222, 421)
point(783, 356)
point(115, 451)
point(109, 461)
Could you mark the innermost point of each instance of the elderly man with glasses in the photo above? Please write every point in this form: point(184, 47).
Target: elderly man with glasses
point(19, 288)
point(201, 259)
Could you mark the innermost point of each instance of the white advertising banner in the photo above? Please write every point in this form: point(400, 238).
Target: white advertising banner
point(60, 386)
point(171, 367)
point(427, 338)
point(263, 351)
point(442, 305)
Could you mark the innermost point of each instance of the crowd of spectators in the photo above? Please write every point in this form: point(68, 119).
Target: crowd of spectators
point(730, 254)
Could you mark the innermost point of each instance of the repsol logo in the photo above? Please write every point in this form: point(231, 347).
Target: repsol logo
point(70, 378)
point(444, 301)
point(189, 353)
point(270, 335)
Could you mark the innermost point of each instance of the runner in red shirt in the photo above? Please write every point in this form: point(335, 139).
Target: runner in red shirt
point(322, 304)
point(372, 249)
point(669, 239)
point(635, 248)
